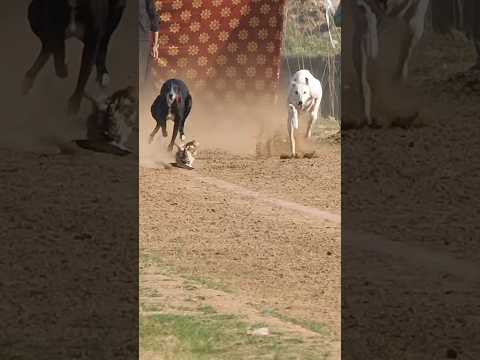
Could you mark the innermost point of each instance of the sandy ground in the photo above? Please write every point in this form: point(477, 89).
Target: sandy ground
point(255, 225)
point(69, 222)
point(416, 190)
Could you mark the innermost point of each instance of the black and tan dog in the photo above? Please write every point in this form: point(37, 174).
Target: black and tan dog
point(91, 21)
point(174, 103)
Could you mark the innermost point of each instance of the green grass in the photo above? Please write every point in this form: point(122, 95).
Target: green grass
point(313, 326)
point(151, 261)
point(207, 309)
point(300, 43)
point(200, 333)
point(215, 337)
point(207, 283)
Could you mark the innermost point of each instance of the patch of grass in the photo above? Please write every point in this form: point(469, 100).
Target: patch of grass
point(207, 309)
point(151, 307)
point(190, 287)
point(152, 261)
point(314, 326)
point(195, 336)
point(214, 337)
point(149, 292)
point(209, 284)
point(149, 260)
point(300, 43)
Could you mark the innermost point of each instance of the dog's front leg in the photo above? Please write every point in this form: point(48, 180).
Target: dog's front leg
point(59, 58)
point(182, 134)
point(88, 60)
point(153, 133)
point(32, 73)
point(174, 136)
point(313, 118)
point(292, 125)
point(114, 17)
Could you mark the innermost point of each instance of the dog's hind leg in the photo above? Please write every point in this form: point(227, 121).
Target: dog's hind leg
point(38, 65)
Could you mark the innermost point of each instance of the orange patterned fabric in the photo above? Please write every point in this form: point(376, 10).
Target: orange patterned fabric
point(228, 49)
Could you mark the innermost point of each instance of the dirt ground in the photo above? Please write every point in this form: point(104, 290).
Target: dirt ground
point(414, 192)
point(63, 216)
point(268, 229)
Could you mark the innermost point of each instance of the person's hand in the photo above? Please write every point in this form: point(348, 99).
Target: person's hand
point(155, 51)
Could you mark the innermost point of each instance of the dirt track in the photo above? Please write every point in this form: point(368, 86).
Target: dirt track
point(416, 190)
point(224, 222)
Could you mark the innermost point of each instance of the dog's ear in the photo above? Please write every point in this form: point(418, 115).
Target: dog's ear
point(306, 80)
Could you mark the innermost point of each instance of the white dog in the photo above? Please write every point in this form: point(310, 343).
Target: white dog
point(304, 96)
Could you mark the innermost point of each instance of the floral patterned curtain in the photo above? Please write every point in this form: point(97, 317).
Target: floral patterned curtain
point(226, 48)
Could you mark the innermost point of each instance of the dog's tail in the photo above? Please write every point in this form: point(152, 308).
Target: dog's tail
point(293, 116)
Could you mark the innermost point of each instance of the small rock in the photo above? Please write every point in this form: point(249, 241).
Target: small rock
point(264, 331)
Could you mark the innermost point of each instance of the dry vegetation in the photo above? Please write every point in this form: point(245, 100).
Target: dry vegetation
point(306, 29)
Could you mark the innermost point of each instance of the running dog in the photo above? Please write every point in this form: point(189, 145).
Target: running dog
point(91, 21)
point(174, 103)
point(304, 97)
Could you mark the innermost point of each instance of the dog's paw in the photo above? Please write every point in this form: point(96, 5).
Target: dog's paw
point(164, 133)
point(62, 71)
point(150, 139)
point(374, 124)
point(170, 148)
point(182, 137)
point(104, 80)
point(27, 85)
point(290, 156)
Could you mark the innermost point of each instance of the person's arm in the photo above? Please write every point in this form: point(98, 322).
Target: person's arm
point(155, 45)
point(154, 27)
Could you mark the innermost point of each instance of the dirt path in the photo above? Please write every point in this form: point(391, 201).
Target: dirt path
point(262, 236)
point(425, 275)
